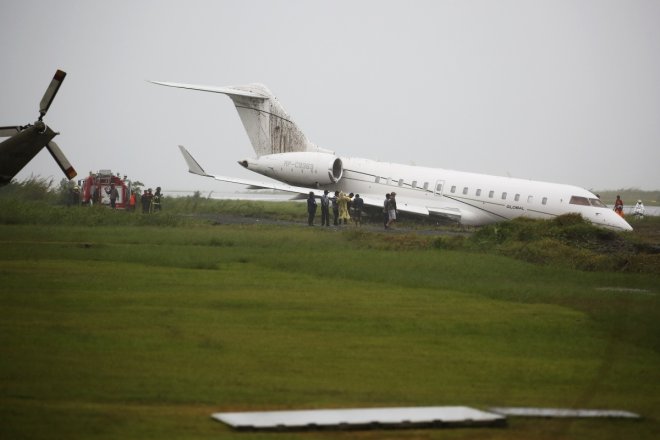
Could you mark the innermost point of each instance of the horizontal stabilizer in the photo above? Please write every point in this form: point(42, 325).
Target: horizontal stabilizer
point(243, 91)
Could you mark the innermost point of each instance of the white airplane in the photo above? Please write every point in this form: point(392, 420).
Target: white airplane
point(284, 154)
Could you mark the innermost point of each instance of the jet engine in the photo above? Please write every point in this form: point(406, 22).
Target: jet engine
point(298, 168)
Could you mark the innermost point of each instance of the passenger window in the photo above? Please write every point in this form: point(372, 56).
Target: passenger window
point(465, 190)
point(426, 186)
point(414, 184)
point(478, 193)
point(530, 199)
point(503, 196)
point(517, 197)
point(377, 179)
point(438, 187)
point(491, 194)
point(544, 200)
point(453, 189)
point(400, 182)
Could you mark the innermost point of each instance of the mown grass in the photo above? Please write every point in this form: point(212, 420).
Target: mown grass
point(143, 331)
point(123, 325)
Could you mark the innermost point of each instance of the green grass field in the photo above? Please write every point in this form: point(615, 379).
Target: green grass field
point(144, 331)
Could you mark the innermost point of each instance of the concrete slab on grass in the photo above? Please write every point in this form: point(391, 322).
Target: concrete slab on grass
point(563, 412)
point(356, 418)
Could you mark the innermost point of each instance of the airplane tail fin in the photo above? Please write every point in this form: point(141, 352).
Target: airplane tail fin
point(267, 124)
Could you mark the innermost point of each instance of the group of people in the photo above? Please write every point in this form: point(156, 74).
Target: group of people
point(342, 205)
point(150, 201)
point(638, 211)
point(347, 207)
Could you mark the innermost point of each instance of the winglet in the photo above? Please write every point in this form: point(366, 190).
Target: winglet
point(193, 166)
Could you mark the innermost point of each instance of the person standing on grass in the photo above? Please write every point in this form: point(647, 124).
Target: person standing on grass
point(325, 209)
point(386, 216)
point(343, 202)
point(76, 195)
point(358, 204)
point(335, 207)
point(311, 208)
point(639, 210)
point(156, 199)
point(146, 201)
point(113, 194)
point(131, 201)
point(391, 210)
point(618, 206)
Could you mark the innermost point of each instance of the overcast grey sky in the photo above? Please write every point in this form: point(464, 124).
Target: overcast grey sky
point(562, 91)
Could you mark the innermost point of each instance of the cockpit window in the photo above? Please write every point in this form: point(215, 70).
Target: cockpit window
point(597, 203)
point(577, 200)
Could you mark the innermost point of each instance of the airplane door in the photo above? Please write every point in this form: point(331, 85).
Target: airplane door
point(439, 185)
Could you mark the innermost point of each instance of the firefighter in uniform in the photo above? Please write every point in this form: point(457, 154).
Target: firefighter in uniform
point(156, 200)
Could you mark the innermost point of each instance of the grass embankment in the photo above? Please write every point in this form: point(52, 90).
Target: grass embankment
point(143, 331)
point(568, 241)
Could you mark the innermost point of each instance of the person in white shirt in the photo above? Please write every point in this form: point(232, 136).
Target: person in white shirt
point(638, 210)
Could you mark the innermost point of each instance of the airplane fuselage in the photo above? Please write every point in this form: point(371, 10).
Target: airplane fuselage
point(468, 198)
point(476, 199)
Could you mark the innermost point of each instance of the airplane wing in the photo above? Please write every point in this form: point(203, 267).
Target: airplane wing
point(195, 168)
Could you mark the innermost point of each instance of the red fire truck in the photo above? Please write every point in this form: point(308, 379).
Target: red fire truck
point(95, 189)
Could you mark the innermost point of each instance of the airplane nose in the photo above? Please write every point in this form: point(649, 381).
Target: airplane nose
point(611, 219)
point(619, 223)
point(625, 225)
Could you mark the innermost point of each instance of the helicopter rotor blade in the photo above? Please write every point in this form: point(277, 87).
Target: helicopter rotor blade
point(51, 91)
point(61, 160)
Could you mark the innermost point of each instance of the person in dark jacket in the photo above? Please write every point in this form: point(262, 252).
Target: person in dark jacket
point(311, 208)
point(156, 199)
point(358, 205)
point(386, 215)
point(113, 194)
point(146, 201)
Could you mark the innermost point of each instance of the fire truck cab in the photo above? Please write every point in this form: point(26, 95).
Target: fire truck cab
point(95, 189)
